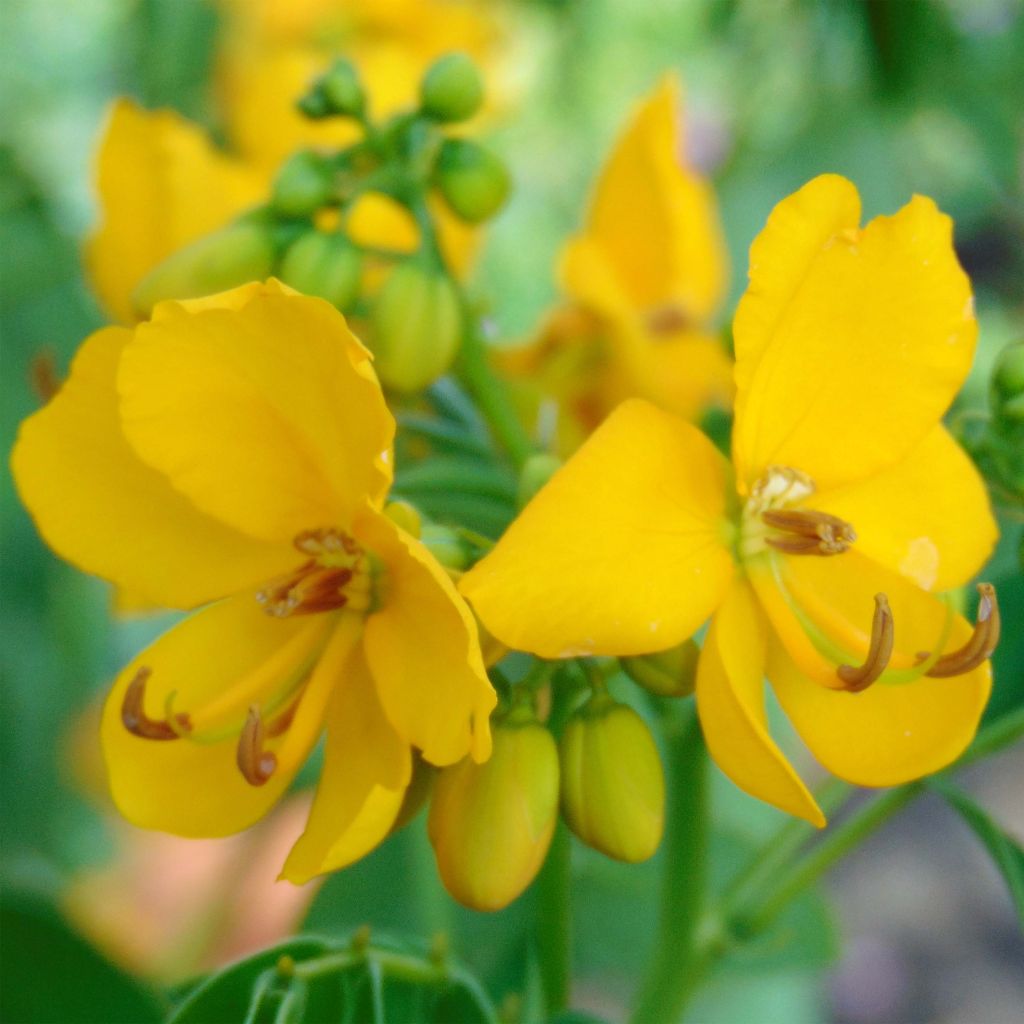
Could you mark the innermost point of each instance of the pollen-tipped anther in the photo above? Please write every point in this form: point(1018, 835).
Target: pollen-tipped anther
point(138, 723)
point(859, 677)
point(255, 763)
point(807, 531)
point(980, 646)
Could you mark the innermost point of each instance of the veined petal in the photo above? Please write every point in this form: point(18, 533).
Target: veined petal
point(424, 653)
point(928, 517)
point(624, 551)
point(161, 185)
point(840, 323)
point(656, 218)
point(730, 701)
point(365, 773)
point(891, 732)
point(213, 667)
point(268, 416)
point(103, 509)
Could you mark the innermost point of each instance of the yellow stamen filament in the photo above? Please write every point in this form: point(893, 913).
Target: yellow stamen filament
point(138, 723)
point(982, 643)
point(859, 677)
point(255, 763)
point(808, 532)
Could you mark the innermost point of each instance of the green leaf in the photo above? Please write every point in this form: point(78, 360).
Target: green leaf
point(49, 973)
point(225, 995)
point(1005, 851)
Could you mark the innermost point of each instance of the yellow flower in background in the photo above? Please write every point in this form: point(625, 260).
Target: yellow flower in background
point(233, 455)
point(272, 49)
point(645, 279)
point(161, 184)
point(817, 553)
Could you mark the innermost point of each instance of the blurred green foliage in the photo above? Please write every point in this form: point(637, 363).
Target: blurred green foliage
point(901, 97)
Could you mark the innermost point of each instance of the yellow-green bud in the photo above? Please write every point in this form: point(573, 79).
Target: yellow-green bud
point(536, 472)
point(342, 89)
point(241, 252)
point(303, 185)
point(445, 545)
point(491, 824)
point(671, 673)
point(473, 181)
point(452, 89)
point(417, 327)
point(613, 787)
point(324, 264)
point(1008, 384)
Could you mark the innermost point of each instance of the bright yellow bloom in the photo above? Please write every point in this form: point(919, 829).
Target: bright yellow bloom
point(233, 455)
point(645, 279)
point(816, 552)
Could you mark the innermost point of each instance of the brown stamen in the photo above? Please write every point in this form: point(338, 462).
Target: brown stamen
point(982, 643)
point(860, 677)
point(310, 589)
point(255, 763)
point(808, 532)
point(667, 319)
point(138, 723)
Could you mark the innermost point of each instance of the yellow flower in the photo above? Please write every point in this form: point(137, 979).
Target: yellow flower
point(645, 279)
point(816, 553)
point(233, 455)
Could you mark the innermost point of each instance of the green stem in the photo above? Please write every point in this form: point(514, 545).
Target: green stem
point(1006, 730)
point(554, 922)
point(678, 961)
point(489, 393)
point(836, 845)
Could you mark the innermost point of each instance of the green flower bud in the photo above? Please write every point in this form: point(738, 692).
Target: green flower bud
point(671, 673)
point(473, 181)
point(342, 90)
point(536, 472)
point(452, 89)
point(1007, 390)
point(314, 105)
point(303, 185)
point(405, 516)
point(417, 327)
point(613, 787)
point(491, 824)
point(241, 252)
point(324, 264)
point(445, 545)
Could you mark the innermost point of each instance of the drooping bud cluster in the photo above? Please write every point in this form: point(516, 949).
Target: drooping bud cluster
point(316, 233)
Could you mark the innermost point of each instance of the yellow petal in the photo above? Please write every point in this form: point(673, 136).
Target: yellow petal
point(624, 551)
point(730, 701)
point(103, 509)
point(217, 663)
point(928, 517)
point(365, 773)
point(691, 372)
point(268, 417)
point(891, 732)
point(850, 343)
point(424, 653)
point(656, 218)
point(161, 185)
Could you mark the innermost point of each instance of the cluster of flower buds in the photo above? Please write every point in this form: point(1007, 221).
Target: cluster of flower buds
point(402, 291)
point(491, 824)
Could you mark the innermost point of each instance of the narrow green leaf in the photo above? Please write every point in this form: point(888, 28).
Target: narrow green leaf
point(1005, 851)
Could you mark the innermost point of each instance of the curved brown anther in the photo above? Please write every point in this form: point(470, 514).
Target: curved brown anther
point(806, 531)
point(982, 643)
point(255, 763)
point(138, 723)
point(859, 677)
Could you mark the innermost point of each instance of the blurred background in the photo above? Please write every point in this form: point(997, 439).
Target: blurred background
point(902, 97)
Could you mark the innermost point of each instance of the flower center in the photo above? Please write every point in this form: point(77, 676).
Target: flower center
point(336, 575)
point(774, 523)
